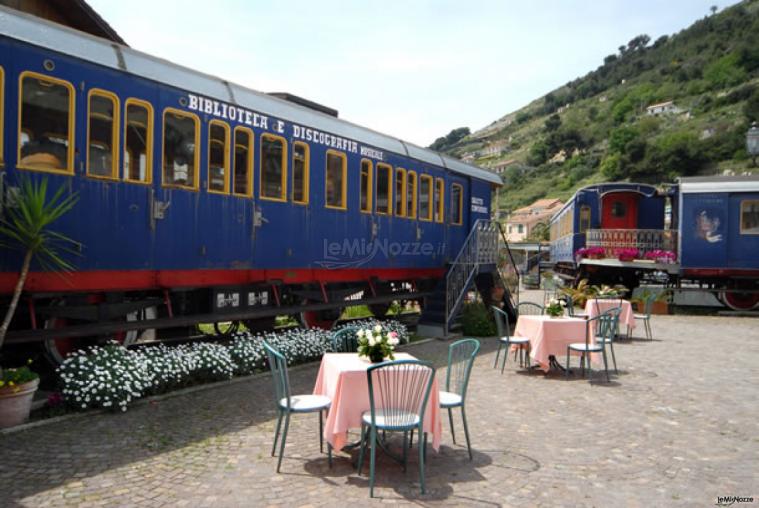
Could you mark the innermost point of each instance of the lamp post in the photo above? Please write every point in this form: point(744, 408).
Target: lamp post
point(752, 143)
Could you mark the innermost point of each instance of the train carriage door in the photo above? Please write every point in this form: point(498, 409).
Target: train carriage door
point(619, 210)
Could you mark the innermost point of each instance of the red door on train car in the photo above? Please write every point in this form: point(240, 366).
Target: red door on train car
point(619, 210)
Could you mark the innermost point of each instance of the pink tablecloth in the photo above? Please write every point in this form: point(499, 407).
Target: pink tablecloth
point(550, 336)
point(342, 377)
point(595, 307)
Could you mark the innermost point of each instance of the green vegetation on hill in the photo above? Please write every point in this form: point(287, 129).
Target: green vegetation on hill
point(596, 128)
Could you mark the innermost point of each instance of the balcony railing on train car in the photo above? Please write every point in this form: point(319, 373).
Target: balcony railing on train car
point(644, 240)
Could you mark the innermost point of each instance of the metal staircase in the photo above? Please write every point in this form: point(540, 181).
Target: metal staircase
point(478, 255)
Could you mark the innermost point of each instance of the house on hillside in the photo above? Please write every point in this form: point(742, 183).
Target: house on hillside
point(500, 167)
point(522, 221)
point(662, 108)
point(495, 149)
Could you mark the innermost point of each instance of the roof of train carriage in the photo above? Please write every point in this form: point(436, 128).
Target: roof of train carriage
point(606, 187)
point(65, 40)
point(742, 183)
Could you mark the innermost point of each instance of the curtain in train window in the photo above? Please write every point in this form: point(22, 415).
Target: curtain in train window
point(584, 218)
point(243, 163)
point(365, 193)
point(300, 173)
point(138, 142)
point(384, 189)
point(400, 192)
point(218, 157)
point(336, 180)
point(273, 168)
point(457, 204)
point(750, 217)
point(439, 199)
point(102, 135)
point(180, 150)
point(425, 197)
point(411, 195)
point(46, 140)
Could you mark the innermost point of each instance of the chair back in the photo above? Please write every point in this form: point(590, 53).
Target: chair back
point(345, 340)
point(613, 324)
point(278, 366)
point(570, 305)
point(648, 304)
point(529, 309)
point(603, 325)
point(501, 322)
point(400, 389)
point(461, 356)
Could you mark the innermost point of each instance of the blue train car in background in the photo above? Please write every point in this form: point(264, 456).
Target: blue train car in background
point(700, 232)
point(204, 201)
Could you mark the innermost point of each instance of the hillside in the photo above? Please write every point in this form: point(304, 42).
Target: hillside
point(597, 128)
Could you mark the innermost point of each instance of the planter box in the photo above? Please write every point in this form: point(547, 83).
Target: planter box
point(659, 308)
point(15, 403)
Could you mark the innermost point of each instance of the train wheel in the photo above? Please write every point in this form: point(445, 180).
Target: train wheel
point(265, 324)
point(226, 328)
point(324, 319)
point(740, 301)
point(379, 309)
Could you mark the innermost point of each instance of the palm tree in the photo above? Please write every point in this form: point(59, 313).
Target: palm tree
point(25, 227)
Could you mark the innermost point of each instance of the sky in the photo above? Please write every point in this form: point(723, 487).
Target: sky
point(413, 69)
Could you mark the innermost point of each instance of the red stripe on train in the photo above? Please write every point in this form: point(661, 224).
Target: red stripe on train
point(133, 280)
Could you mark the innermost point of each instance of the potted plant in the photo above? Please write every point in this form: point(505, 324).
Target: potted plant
point(661, 256)
point(25, 227)
point(555, 308)
point(627, 254)
point(376, 344)
point(659, 304)
point(590, 253)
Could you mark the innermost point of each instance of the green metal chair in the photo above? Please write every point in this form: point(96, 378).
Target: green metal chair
point(604, 325)
point(345, 340)
point(398, 395)
point(648, 303)
point(461, 356)
point(506, 339)
point(608, 339)
point(571, 312)
point(288, 404)
point(529, 309)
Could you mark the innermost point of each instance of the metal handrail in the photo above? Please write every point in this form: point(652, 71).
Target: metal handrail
point(511, 257)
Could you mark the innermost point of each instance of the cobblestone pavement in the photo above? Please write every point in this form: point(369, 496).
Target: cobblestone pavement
point(677, 427)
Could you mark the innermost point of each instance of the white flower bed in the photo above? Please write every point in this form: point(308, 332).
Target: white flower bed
point(112, 377)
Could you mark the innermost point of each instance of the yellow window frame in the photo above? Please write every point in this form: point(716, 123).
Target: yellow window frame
point(390, 182)
point(148, 142)
point(411, 214)
point(403, 197)
point(227, 163)
point(369, 185)
point(431, 197)
point(115, 128)
point(344, 190)
point(306, 174)
point(460, 204)
point(2, 115)
point(584, 218)
point(283, 196)
point(69, 170)
point(250, 147)
point(196, 120)
point(440, 208)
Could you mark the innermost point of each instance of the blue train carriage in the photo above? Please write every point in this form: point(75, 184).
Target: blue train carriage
point(599, 220)
point(204, 201)
point(719, 236)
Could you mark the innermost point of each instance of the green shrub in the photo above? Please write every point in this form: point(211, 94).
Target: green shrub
point(477, 321)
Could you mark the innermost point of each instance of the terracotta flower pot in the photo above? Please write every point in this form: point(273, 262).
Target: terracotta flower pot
point(16, 402)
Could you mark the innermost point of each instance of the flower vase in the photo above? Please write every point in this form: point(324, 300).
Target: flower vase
point(16, 403)
point(376, 356)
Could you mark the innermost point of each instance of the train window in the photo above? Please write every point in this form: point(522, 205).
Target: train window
point(584, 218)
point(365, 197)
point(750, 217)
point(384, 189)
point(273, 168)
point(46, 125)
point(336, 180)
point(411, 195)
point(457, 204)
point(242, 163)
point(181, 137)
point(400, 192)
point(300, 173)
point(102, 134)
point(439, 199)
point(618, 209)
point(138, 141)
point(425, 197)
point(218, 157)
point(2, 110)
